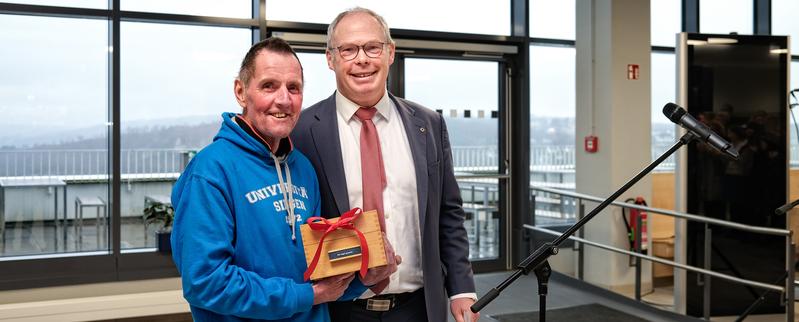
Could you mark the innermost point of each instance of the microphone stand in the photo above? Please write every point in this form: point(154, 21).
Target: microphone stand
point(537, 261)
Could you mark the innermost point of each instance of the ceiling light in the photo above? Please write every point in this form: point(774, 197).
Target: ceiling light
point(722, 40)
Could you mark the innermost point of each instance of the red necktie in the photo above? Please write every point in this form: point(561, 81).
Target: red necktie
point(373, 174)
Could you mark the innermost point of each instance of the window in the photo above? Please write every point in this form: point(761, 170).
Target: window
point(665, 21)
point(664, 89)
point(232, 9)
point(552, 129)
point(53, 146)
point(473, 16)
point(320, 81)
point(552, 19)
point(784, 21)
point(726, 16)
point(176, 82)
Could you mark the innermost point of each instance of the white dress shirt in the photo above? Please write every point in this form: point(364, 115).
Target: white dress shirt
point(400, 201)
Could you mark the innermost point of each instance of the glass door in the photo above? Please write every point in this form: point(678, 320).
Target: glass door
point(469, 94)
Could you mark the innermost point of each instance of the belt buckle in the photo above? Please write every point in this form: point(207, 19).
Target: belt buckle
point(378, 305)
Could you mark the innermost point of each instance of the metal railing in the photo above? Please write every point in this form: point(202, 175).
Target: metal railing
point(481, 206)
point(787, 289)
point(77, 162)
point(60, 162)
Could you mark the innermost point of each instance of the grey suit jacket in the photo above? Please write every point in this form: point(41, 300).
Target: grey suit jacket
point(445, 248)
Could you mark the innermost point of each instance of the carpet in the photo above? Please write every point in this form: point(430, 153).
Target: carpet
point(581, 313)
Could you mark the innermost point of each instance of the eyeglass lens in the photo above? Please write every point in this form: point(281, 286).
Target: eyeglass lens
point(371, 49)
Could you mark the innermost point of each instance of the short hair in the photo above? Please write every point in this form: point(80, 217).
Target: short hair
point(273, 44)
point(332, 27)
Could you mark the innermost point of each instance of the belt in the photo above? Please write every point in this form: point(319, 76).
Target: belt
point(385, 302)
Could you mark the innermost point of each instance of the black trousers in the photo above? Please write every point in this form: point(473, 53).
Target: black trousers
point(409, 307)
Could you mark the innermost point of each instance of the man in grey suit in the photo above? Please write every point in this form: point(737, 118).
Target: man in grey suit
point(420, 199)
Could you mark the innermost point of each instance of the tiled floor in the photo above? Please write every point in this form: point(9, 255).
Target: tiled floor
point(663, 298)
point(522, 296)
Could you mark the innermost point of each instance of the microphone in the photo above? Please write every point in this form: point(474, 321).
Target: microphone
point(678, 115)
point(782, 210)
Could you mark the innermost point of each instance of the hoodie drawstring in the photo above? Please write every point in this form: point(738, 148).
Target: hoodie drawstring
point(288, 194)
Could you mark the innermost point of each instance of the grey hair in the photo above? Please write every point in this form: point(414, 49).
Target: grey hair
point(379, 18)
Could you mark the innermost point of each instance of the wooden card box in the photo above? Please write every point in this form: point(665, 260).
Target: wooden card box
point(339, 243)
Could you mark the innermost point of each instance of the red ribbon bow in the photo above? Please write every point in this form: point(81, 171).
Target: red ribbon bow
point(345, 222)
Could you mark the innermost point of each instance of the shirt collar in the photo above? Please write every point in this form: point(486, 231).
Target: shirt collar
point(346, 108)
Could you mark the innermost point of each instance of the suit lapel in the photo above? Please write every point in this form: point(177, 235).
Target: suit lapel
point(325, 137)
point(417, 138)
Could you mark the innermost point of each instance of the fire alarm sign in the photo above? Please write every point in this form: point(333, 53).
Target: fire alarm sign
point(632, 71)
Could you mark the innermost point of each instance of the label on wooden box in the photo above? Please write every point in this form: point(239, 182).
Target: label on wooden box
point(337, 255)
point(334, 246)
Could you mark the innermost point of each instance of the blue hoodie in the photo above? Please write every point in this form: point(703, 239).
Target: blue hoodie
point(232, 240)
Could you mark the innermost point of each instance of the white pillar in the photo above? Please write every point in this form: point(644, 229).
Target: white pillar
point(612, 34)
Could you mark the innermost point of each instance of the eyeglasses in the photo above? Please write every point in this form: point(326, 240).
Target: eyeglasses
point(372, 49)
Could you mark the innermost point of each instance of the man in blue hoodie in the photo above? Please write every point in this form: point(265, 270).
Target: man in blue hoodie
point(238, 206)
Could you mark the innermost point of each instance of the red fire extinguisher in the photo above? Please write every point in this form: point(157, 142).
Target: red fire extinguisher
point(631, 223)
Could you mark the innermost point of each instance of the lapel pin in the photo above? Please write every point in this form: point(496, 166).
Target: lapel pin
point(421, 129)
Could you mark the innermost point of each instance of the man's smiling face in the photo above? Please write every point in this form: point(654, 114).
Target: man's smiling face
point(361, 79)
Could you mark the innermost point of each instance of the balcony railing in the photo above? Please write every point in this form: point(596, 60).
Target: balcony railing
point(76, 162)
point(80, 162)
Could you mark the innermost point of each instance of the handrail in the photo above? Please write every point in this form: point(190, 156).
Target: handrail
point(482, 176)
point(756, 229)
point(787, 288)
point(663, 261)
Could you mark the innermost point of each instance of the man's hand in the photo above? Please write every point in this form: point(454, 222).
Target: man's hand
point(461, 312)
point(331, 288)
point(377, 274)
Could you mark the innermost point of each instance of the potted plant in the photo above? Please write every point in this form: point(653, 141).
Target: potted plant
point(161, 214)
